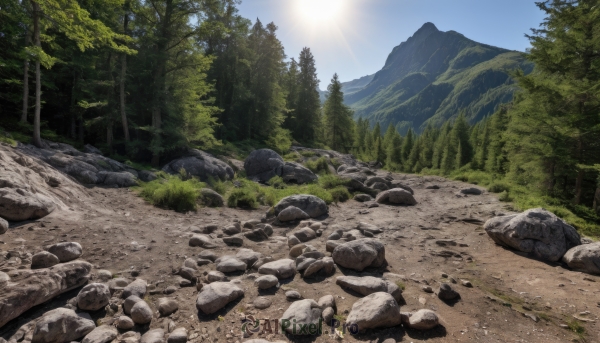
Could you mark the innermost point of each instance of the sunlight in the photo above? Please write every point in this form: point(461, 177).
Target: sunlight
point(319, 11)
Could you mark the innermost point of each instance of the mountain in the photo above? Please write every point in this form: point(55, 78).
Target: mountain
point(431, 77)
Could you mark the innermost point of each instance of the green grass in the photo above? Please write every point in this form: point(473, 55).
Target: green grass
point(318, 166)
point(340, 194)
point(401, 285)
point(576, 327)
point(172, 192)
point(8, 140)
point(243, 197)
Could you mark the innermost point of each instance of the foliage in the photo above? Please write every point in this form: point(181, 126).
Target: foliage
point(340, 194)
point(319, 165)
point(280, 140)
point(339, 126)
point(172, 192)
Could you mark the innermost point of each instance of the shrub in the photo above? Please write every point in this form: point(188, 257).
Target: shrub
point(498, 187)
point(219, 186)
point(331, 181)
point(277, 182)
point(504, 196)
point(319, 165)
point(172, 193)
point(242, 197)
point(340, 194)
point(280, 140)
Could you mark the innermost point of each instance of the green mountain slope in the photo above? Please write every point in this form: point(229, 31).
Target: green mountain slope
point(434, 75)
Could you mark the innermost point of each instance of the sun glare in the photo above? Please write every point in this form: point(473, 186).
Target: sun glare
point(319, 11)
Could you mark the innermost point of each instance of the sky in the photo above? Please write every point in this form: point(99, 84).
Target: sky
point(354, 37)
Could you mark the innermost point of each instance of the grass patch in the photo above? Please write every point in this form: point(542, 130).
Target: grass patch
point(401, 285)
point(498, 187)
point(308, 153)
point(8, 140)
point(172, 192)
point(340, 194)
point(340, 318)
point(331, 181)
point(291, 156)
point(318, 166)
point(576, 327)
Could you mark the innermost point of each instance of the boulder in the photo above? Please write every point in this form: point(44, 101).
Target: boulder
point(153, 336)
point(3, 226)
point(19, 204)
point(44, 259)
point(366, 285)
point(396, 196)
point(447, 293)
point(248, 256)
point(233, 229)
point(266, 281)
point(310, 204)
point(584, 258)
point(327, 301)
point(93, 297)
point(215, 276)
point(208, 255)
point(297, 173)
point(304, 234)
point(137, 288)
point(179, 335)
point(101, 334)
point(536, 231)
point(167, 306)
point(40, 285)
point(327, 315)
point(313, 269)
point(129, 302)
point(398, 184)
point(263, 164)
point(471, 191)
point(211, 198)
point(217, 295)
point(363, 197)
point(141, 313)
point(4, 279)
point(422, 320)
point(236, 241)
point(302, 313)
point(202, 241)
point(201, 165)
point(61, 325)
point(262, 303)
point(282, 269)
point(377, 310)
point(292, 213)
point(230, 264)
point(66, 251)
point(124, 323)
point(116, 179)
point(360, 254)
point(90, 149)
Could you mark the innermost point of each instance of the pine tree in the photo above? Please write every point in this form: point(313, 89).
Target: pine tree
point(394, 152)
point(339, 126)
point(407, 144)
point(308, 111)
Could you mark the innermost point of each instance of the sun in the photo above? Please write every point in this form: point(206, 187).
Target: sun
point(319, 11)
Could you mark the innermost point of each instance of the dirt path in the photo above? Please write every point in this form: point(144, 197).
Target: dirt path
point(514, 298)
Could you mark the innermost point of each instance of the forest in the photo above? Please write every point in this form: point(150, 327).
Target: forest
point(144, 80)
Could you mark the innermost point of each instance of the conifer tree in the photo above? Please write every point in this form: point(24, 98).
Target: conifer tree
point(339, 126)
point(308, 109)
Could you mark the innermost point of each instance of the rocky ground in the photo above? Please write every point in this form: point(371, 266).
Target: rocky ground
point(505, 296)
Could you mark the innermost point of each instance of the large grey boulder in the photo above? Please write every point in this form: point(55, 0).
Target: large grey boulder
point(202, 165)
point(263, 164)
point(35, 287)
point(584, 258)
point(360, 254)
point(217, 295)
point(302, 313)
point(366, 285)
point(66, 251)
point(19, 204)
point(101, 334)
point(61, 325)
point(93, 297)
point(396, 196)
point(378, 310)
point(282, 269)
point(536, 231)
point(310, 204)
point(297, 173)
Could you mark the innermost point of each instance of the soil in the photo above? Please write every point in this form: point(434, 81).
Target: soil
point(514, 298)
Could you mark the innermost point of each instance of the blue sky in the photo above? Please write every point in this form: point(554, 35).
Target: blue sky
point(356, 37)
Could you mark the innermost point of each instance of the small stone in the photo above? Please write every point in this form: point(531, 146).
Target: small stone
point(141, 313)
point(293, 295)
point(447, 293)
point(262, 303)
point(124, 323)
point(167, 306)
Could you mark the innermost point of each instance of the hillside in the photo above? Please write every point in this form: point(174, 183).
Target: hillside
point(431, 77)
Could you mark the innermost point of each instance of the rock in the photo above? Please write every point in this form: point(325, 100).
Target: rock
point(256, 235)
point(282, 269)
point(423, 320)
point(262, 303)
point(90, 149)
point(146, 175)
point(236, 241)
point(293, 295)
point(360, 254)
point(327, 315)
point(61, 325)
point(302, 313)
point(217, 295)
point(104, 275)
point(368, 228)
point(202, 165)
point(187, 273)
point(327, 301)
point(366, 285)
point(293, 241)
point(230, 264)
point(167, 306)
point(328, 266)
point(310, 204)
point(248, 256)
point(313, 269)
point(101, 334)
point(397, 184)
point(208, 255)
point(397, 196)
point(190, 263)
point(93, 297)
point(296, 250)
point(377, 310)
point(266, 281)
point(44, 259)
point(432, 187)
point(117, 284)
point(4, 279)
point(141, 313)
point(3, 226)
point(19, 204)
point(303, 262)
point(305, 234)
point(331, 245)
point(261, 261)
point(466, 283)
point(363, 197)
point(38, 286)
point(535, 231)
point(471, 191)
point(66, 252)
point(233, 229)
point(179, 335)
point(584, 258)
point(202, 241)
point(297, 173)
point(211, 198)
point(116, 179)
point(215, 276)
point(447, 293)
point(292, 213)
point(263, 164)
point(129, 302)
point(137, 288)
point(124, 323)
point(153, 336)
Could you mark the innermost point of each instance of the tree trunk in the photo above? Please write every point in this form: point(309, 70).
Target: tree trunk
point(596, 206)
point(25, 80)
point(109, 101)
point(37, 139)
point(122, 85)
